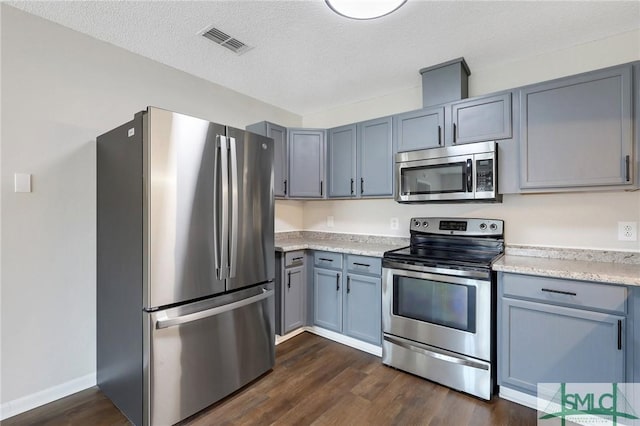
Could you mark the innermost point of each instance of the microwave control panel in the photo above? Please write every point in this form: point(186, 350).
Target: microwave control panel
point(484, 175)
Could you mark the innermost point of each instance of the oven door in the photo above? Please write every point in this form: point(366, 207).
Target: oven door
point(438, 179)
point(452, 313)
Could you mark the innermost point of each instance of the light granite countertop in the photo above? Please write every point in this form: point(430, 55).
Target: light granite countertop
point(364, 245)
point(586, 265)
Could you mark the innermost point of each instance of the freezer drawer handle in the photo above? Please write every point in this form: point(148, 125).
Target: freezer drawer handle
point(170, 322)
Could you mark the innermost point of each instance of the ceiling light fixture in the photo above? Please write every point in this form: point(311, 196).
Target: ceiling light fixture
point(364, 9)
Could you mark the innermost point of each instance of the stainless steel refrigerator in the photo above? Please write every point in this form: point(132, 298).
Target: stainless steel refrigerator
point(185, 264)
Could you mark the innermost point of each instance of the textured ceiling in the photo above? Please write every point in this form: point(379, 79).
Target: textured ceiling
point(306, 58)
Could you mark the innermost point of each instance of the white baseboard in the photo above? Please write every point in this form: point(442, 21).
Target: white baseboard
point(345, 340)
point(294, 333)
point(26, 403)
point(519, 397)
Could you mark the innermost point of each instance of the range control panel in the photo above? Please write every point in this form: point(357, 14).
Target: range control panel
point(458, 226)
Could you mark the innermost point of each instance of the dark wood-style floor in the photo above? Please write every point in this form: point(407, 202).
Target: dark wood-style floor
point(315, 382)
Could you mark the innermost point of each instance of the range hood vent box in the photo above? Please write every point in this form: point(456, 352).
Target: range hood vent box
point(446, 82)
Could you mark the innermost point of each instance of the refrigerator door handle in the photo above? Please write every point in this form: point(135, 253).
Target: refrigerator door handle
point(216, 210)
point(234, 208)
point(224, 192)
point(165, 322)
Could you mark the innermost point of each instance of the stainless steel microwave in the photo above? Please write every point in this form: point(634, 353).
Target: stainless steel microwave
point(453, 173)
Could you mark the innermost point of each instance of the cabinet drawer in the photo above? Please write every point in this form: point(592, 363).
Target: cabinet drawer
point(326, 259)
point(566, 292)
point(364, 265)
point(294, 258)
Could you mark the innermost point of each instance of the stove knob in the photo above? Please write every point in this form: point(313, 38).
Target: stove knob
point(483, 226)
point(425, 224)
point(493, 226)
point(416, 224)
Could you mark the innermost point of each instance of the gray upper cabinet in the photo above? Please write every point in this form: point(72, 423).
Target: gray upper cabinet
point(360, 160)
point(480, 119)
point(280, 163)
point(375, 158)
point(419, 129)
point(341, 161)
point(306, 163)
point(577, 131)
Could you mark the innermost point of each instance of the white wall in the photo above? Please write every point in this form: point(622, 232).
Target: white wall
point(581, 220)
point(61, 89)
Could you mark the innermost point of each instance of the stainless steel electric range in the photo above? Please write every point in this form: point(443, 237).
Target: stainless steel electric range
point(439, 303)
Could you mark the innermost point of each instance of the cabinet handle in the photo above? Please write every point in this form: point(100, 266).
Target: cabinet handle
point(285, 187)
point(351, 186)
point(362, 264)
point(349, 285)
point(295, 259)
point(337, 282)
point(321, 188)
point(627, 167)
point(454, 132)
point(289, 279)
point(439, 135)
point(568, 293)
point(619, 335)
point(325, 259)
point(361, 186)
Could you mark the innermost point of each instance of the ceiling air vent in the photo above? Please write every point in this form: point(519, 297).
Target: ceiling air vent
point(225, 40)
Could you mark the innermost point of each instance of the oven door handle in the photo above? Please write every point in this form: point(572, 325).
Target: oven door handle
point(434, 353)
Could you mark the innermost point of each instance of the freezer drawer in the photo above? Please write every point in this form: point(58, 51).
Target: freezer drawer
point(199, 353)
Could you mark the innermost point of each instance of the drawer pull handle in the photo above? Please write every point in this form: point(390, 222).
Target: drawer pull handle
point(619, 335)
point(324, 259)
point(295, 259)
point(568, 293)
point(366, 265)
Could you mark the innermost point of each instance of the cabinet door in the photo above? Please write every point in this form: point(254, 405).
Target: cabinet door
point(481, 119)
point(362, 310)
point(576, 132)
point(327, 299)
point(554, 344)
point(293, 299)
point(375, 158)
point(419, 129)
point(306, 163)
point(341, 153)
point(279, 135)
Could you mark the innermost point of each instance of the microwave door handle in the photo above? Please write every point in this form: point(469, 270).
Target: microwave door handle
point(469, 175)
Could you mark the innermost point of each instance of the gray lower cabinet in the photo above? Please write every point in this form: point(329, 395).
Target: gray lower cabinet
point(362, 308)
point(554, 331)
point(576, 132)
point(341, 161)
point(306, 163)
point(486, 118)
point(348, 298)
point(327, 299)
point(419, 129)
point(293, 299)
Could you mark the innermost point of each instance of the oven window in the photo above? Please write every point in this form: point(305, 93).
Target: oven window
point(446, 304)
point(437, 179)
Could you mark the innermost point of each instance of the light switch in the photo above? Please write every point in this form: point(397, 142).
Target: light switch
point(22, 182)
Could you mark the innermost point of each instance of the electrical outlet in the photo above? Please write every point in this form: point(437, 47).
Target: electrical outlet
point(394, 224)
point(330, 222)
point(627, 231)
